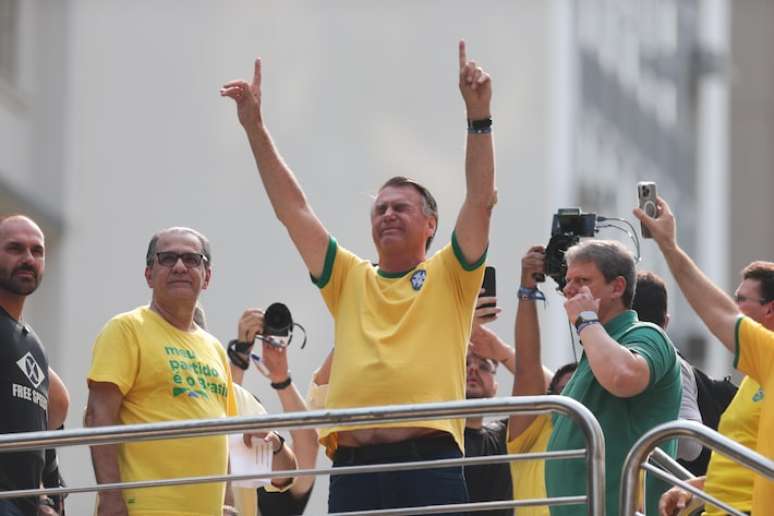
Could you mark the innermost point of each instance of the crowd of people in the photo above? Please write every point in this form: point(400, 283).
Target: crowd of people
point(410, 329)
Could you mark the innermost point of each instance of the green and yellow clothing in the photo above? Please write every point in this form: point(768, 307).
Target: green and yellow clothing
point(399, 338)
point(755, 357)
point(166, 374)
point(528, 476)
point(727, 480)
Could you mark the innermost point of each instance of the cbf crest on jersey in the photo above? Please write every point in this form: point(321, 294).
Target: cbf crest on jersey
point(418, 279)
point(31, 369)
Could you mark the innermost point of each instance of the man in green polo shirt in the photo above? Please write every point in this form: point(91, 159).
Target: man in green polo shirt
point(628, 375)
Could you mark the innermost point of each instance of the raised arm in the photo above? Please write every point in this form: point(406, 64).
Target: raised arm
point(714, 307)
point(620, 371)
point(304, 439)
point(285, 194)
point(530, 379)
point(102, 409)
point(472, 228)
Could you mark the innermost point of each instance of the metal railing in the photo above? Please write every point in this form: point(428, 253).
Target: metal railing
point(637, 456)
point(587, 423)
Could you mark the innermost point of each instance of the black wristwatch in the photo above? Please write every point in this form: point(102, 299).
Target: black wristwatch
point(586, 317)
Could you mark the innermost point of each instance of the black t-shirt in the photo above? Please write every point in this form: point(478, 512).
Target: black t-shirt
point(23, 405)
point(281, 504)
point(489, 482)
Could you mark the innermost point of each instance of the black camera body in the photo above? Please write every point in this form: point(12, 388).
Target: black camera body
point(567, 228)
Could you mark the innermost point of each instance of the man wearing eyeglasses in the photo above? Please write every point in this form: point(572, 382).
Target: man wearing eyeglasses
point(735, 325)
point(154, 364)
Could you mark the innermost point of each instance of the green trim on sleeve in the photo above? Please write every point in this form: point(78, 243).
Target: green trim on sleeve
point(461, 257)
point(330, 256)
point(736, 340)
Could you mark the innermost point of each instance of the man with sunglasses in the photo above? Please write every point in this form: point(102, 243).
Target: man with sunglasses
point(394, 319)
point(156, 364)
point(735, 325)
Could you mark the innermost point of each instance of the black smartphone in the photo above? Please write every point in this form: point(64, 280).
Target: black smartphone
point(646, 193)
point(488, 285)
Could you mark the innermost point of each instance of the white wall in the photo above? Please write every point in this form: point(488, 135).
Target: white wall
point(355, 92)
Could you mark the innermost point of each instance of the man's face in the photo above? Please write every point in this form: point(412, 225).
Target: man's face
point(580, 274)
point(481, 377)
point(22, 256)
point(398, 221)
point(749, 297)
point(562, 381)
point(179, 281)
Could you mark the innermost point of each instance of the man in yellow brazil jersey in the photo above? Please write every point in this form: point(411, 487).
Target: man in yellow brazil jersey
point(398, 320)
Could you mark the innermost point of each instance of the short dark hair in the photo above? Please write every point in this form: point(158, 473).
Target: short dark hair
point(611, 258)
point(566, 368)
point(764, 273)
point(429, 206)
point(150, 255)
point(650, 298)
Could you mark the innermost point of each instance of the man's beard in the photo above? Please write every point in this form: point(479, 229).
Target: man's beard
point(18, 285)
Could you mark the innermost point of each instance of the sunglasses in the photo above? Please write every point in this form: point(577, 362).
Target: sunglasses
point(170, 258)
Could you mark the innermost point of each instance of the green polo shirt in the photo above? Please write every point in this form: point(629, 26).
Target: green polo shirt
point(623, 420)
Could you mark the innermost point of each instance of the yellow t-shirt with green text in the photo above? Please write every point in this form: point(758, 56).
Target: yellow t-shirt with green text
point(727, 480)
point(755, 358)
point(400, 338)
point(166, 374)
point(528, 476)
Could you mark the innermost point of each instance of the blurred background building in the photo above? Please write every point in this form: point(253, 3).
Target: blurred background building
point(111, 128)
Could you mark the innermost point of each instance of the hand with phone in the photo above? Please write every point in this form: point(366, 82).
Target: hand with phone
point(646, 194)
point(487, 296)
point(662, 228)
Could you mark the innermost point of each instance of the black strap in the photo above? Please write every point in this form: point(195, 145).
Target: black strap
point(234, 349)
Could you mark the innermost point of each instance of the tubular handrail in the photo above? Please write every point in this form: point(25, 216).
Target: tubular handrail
point(682, 428)
point(594, 452)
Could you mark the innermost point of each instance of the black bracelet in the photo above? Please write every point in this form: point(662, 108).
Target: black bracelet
point(284, 384)
point(282, 443)
point(483, 126)
point(234, 349)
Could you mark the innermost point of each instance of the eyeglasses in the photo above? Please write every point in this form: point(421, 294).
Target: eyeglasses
point(170, 258)
point(741, 299)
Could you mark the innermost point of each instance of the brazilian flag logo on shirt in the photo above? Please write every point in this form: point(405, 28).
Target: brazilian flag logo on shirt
point(418, 279)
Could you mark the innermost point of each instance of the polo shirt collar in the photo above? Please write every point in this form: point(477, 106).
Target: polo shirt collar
point(620, 322)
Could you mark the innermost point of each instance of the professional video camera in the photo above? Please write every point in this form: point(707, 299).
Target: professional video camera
point(567, 228)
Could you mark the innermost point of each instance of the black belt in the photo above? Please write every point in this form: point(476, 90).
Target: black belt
point(418, 448)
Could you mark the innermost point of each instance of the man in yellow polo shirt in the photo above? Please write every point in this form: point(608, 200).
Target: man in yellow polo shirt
point(752, 343)
point(402, 327)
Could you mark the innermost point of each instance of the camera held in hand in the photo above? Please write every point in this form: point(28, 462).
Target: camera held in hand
point(567, 228)
point(278, 326)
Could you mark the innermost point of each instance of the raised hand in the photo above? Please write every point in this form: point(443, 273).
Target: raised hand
point(661, 228)
point(581, 302)
point(275, 359)
point(475, 86)
point(247, 98)
point(250, 325)
point(533, 263)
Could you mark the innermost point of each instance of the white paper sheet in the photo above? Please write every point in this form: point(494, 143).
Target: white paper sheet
point(246, 461)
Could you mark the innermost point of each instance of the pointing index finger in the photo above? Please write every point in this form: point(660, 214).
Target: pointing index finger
point(257, 72)
point(463, 55)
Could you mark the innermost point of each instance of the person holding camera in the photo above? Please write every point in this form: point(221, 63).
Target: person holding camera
point(153, 364)
point(395, 318)
point(287, 500)
point(737, 328)
point(628, 374)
